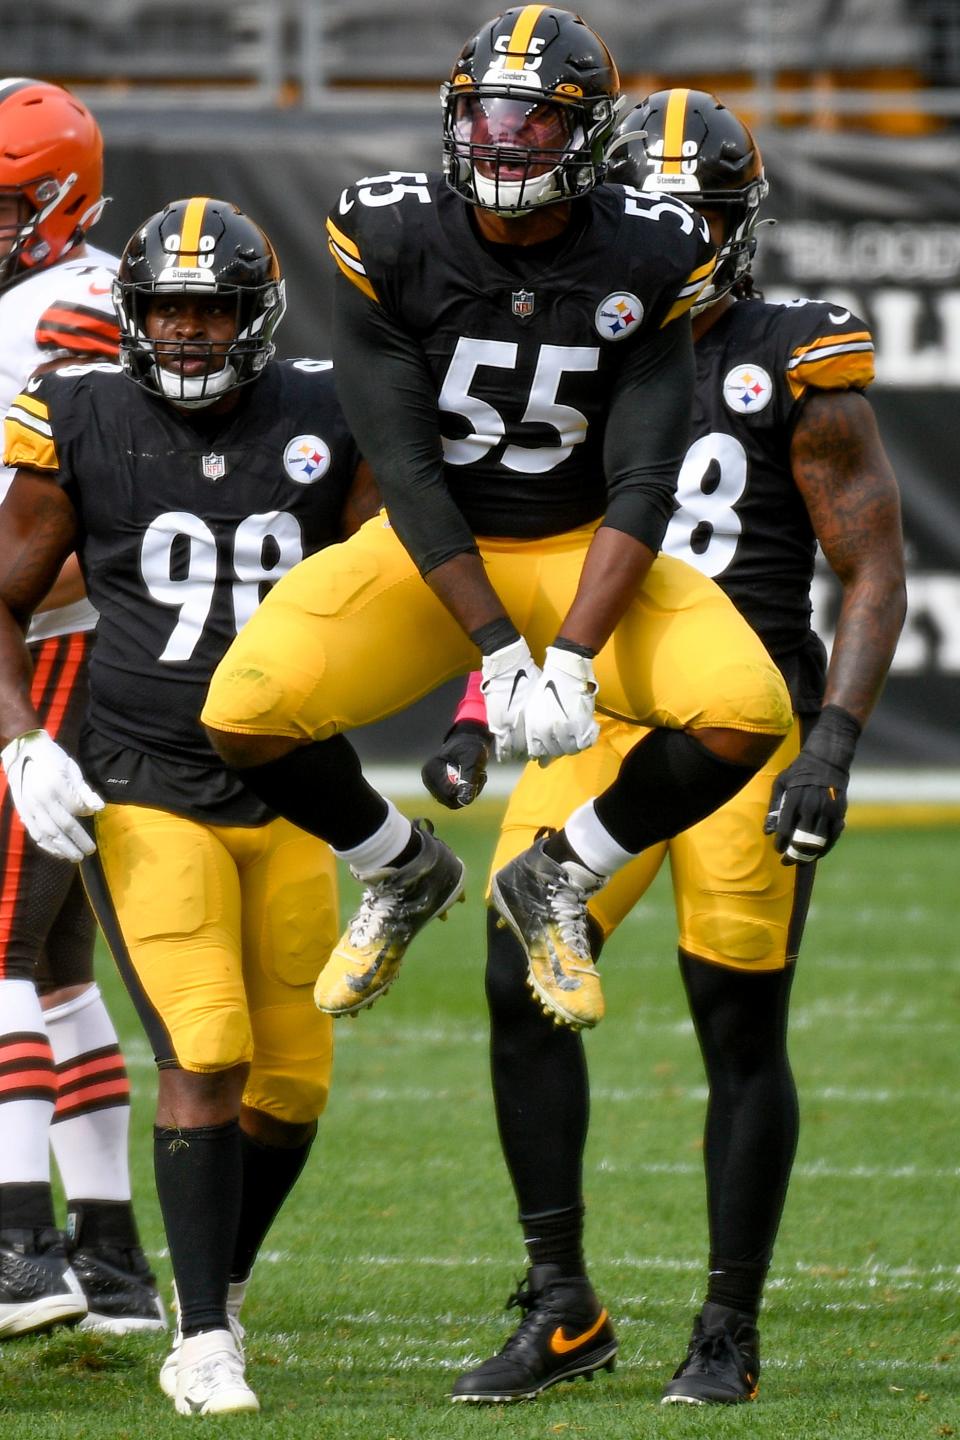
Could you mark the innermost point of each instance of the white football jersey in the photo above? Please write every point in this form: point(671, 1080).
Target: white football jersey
point(62, 312)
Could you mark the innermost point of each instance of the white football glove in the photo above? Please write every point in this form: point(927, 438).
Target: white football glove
point(507, 678)
point(559, 718)
point(49, 792)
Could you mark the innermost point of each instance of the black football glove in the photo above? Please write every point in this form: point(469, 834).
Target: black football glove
point(808, 805)
point(458, 772)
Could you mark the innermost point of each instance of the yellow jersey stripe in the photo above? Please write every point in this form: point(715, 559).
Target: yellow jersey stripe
point(361, 281)
point(673, 131)
point(26, 446)
point(519, 42)
point(843, 367)
point(854, 340)
point(31, 403)
point(691, 288)
point(343, 241)
point(29, 419)
point(192, 227)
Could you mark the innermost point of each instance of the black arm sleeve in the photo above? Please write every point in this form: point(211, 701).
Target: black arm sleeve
point(390, 401)
point(647, 432)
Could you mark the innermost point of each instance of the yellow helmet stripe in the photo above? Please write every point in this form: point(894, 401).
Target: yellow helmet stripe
point(192, 225)
point(519, 42)
point(673, 130)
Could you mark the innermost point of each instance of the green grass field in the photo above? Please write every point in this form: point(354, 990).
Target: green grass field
point(388, 1272)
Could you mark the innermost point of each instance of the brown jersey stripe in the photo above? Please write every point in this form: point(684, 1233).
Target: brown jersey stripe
point(95, 1097)
point(76, 341)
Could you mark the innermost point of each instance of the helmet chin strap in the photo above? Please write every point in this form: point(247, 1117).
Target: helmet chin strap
point(196, 392)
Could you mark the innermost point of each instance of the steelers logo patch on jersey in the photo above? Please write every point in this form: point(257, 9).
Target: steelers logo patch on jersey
point(306, 459)
point(618, 314)
point(747, 389)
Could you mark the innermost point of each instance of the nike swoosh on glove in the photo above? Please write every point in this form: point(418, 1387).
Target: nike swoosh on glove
point(559, 713)
point(49, 792)
point(507, 679)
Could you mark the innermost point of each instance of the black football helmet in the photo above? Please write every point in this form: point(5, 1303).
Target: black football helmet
point(686, 143)
point(204, 247)
point(530, 105)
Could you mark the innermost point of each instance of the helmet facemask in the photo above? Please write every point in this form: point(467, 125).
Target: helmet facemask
point(213, 368)
point(209, 250)
point(511, 150)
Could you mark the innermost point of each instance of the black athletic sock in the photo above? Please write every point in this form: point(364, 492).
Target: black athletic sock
point(556, 1238)
point(269, 1174)
point(666, 784)
point(199, 1176)
point(26, 1205)
point(540, 1086)
point(752, 1122)
point(321, 788)
point(92, 1223)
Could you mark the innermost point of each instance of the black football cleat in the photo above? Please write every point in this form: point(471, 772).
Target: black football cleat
point(565, 1332)
point(120, 1289)
point(38, 1288)
point(723, 1361)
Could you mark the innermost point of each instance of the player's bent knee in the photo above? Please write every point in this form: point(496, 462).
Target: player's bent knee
point(218, 1040)
point(292, 1063)
point(736, 942)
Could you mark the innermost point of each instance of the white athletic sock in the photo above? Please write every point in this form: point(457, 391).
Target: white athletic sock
point(593, 842)
point(381, 847)
point(28, 1086)
point(92, 1120)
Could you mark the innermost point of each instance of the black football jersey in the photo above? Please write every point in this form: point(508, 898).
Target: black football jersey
point(740, 518)
point(523, 348)
point(185, 523)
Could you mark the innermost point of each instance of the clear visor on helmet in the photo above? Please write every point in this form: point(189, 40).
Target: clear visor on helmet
point(512, 138)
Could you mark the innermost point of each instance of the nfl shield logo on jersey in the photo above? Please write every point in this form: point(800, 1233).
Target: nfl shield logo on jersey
point(522, 303)
point(214, 466)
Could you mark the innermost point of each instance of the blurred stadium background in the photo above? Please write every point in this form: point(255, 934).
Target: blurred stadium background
point(856, 104)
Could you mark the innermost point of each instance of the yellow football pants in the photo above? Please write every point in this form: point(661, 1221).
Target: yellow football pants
point(353, 634)
point(220, 933)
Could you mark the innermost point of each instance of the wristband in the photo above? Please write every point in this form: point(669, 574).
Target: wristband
point(562, 643)
point(495, 635)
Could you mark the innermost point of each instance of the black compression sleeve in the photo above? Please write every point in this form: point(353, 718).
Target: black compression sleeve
point(389, 398)
point(647, 432)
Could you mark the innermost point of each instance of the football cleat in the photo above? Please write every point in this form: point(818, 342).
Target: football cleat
point(723, 1361)
point(120, 1288)
point(395, 905)
point(210, 1376)
point(565, 1333)
point(236, 1291)
point(38, 1288)
point(544, 902)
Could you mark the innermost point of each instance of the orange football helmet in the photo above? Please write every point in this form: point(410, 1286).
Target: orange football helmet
point(51, 161)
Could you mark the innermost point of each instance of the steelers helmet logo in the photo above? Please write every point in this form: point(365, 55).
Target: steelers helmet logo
point(747, 389)
point(618, 315)
point(306, 459)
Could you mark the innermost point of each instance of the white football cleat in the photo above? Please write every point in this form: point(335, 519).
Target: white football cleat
point(210, 1376)
point(236, 1291)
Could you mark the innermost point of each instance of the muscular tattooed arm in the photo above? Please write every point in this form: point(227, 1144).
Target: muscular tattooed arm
point(842, 471)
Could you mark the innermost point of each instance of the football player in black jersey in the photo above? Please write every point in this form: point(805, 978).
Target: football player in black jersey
point(189, 478)
point(514, 356)
point(785, 453)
